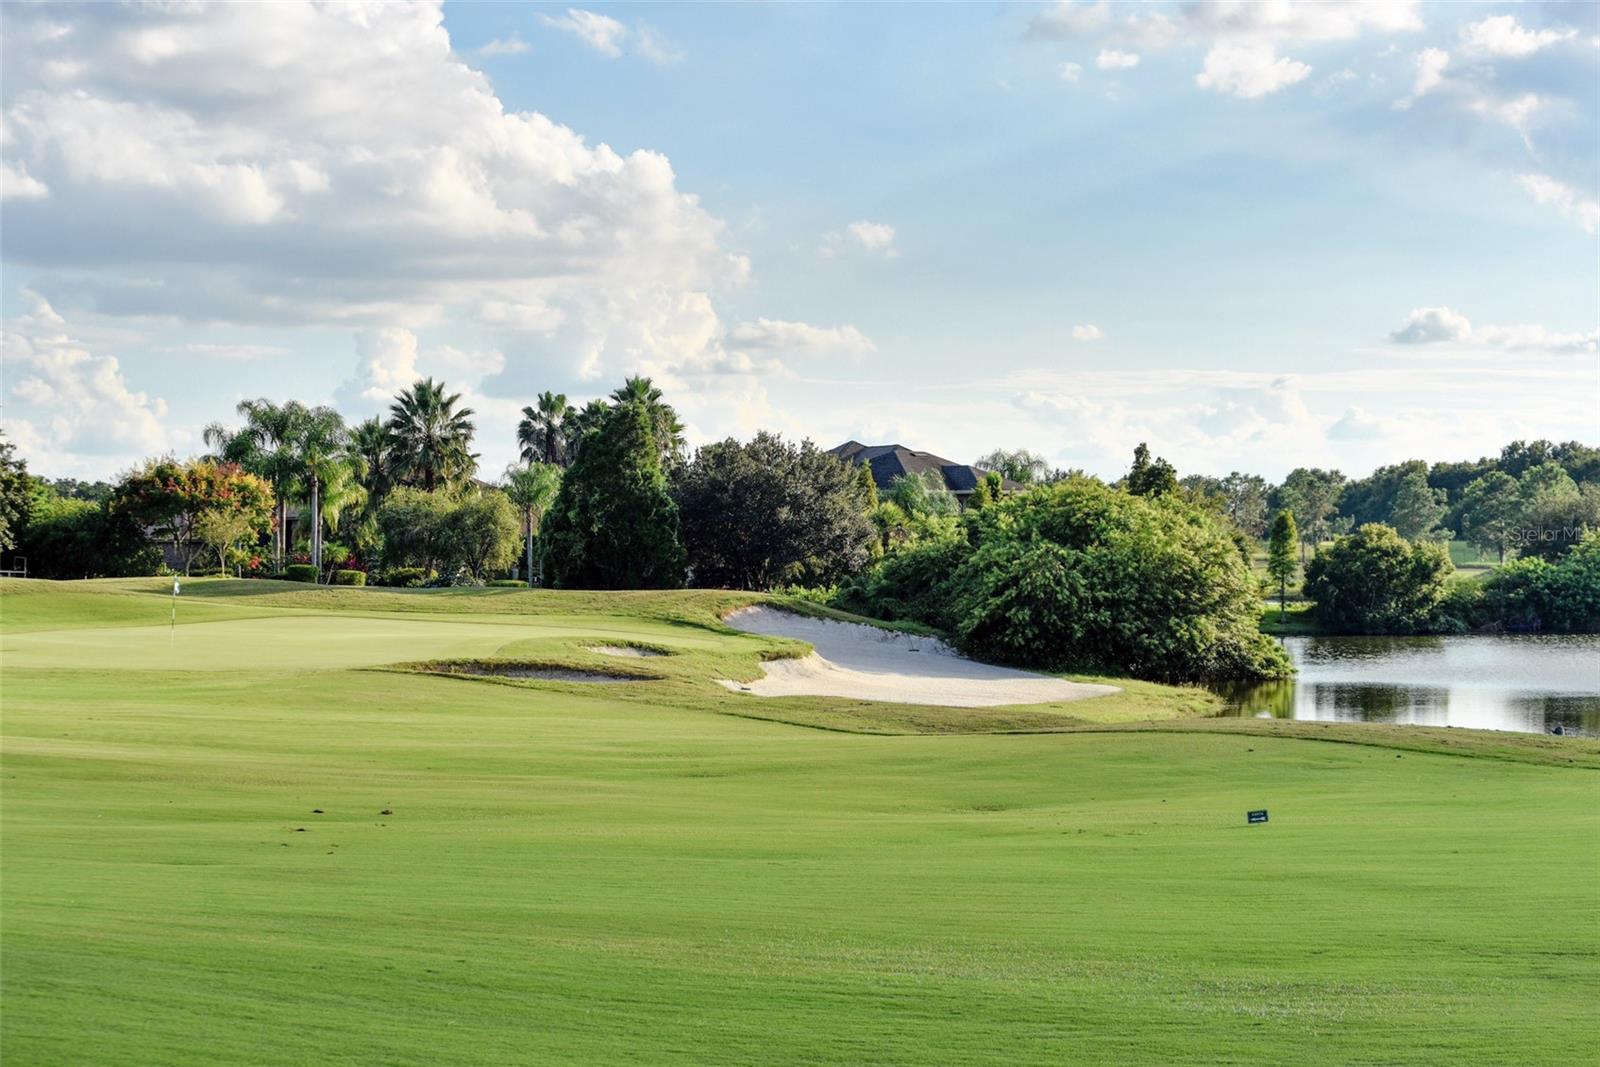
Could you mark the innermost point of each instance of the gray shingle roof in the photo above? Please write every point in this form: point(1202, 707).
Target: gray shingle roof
point(889, 462)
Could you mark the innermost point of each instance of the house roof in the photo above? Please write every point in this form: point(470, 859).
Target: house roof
point(889, 462)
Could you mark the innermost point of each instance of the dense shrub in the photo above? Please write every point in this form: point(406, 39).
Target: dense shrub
point(1376, 582)
point(1537, 595)
point(480, 534)
point(613, 524)
point(349, 577)
point(411, 523)
point(66, 538)
point(1077, 576)
point(1087, 578)
point(454, 581)
point(507, 583)
point(300, 572)
point(1462, 607)
point(912, 583)
point(403, 578)
point(441, 533)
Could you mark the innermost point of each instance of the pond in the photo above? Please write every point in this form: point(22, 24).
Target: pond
point(1524, 683)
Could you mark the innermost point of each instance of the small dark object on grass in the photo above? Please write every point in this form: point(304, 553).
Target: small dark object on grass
point(299, 829)
point(1559, 730)
point(386, 811)
point(316, 811)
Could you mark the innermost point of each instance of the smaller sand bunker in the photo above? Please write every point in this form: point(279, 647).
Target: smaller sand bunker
point(870, 663)
point(533, 673)
point(628, 651)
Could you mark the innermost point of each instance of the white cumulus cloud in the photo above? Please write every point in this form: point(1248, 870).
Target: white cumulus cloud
point(1443, 325)
point(1502, 35)
point(1243, 38)
point(1249, 70)
point(1087, 331)
point(1112, 59)
point(69, 409)
point(306, 164)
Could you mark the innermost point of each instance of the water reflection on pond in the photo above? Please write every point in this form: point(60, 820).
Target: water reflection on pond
point(1526, 683)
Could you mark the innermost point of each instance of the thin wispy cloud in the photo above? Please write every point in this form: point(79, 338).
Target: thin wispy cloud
point(505, 46)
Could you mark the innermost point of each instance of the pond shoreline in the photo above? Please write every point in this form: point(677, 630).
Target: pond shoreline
point(1523, 683)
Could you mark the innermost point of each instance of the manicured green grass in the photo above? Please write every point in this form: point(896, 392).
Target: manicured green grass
point(1294, 619)
point(639, 873)
point(1469, 559)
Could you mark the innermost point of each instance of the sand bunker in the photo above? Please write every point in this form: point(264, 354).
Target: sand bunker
point(536, 674)
point(626, 651)
point(868, 663)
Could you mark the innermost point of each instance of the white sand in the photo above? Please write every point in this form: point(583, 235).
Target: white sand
point(868, 663)
point(626, 651)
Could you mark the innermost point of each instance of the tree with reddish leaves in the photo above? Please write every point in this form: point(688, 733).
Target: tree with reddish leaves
point(170, 499)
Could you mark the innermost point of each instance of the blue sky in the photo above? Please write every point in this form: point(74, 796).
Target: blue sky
point(1253, 235)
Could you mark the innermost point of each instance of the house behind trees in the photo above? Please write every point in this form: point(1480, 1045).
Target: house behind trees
point(889, 463)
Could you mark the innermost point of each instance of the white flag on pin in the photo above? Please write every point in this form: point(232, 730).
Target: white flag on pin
point(174, 587)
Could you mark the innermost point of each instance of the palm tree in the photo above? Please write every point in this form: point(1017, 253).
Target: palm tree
point(230, 445)
point(368, 452)
point(430, 436)
point(891, 522)
point(342, 491)
point(587, 418)
point(543, 431)
point(664, 424)
point(270, 430)
point(320, 452)
point(532, 488)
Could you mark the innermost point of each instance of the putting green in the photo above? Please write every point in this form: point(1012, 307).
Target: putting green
point(309, 642)
point(538, 873)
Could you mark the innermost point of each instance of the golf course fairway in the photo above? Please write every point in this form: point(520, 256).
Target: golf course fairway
point(265, 836)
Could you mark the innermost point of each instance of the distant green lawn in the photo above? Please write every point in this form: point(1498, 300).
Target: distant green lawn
point(642, 873)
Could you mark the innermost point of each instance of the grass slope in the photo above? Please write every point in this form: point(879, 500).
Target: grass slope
point(544, 873)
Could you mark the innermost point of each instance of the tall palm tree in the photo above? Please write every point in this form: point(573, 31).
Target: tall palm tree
point(271, 430)
point(543, 431)
point(664, 424)
point(430, 436)
point(532, 489)
point(368, 453)
point(231, 445)
point(589, 417)
point(342, 492)
point(321, 456)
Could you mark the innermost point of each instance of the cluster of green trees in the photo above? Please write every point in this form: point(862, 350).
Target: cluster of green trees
point(1077, 575)
point(1534, 498)
point(1378, 561)
point(94, 534)
point(1374, 581)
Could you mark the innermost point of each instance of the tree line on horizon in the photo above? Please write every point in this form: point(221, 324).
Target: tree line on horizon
point(608, 496)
